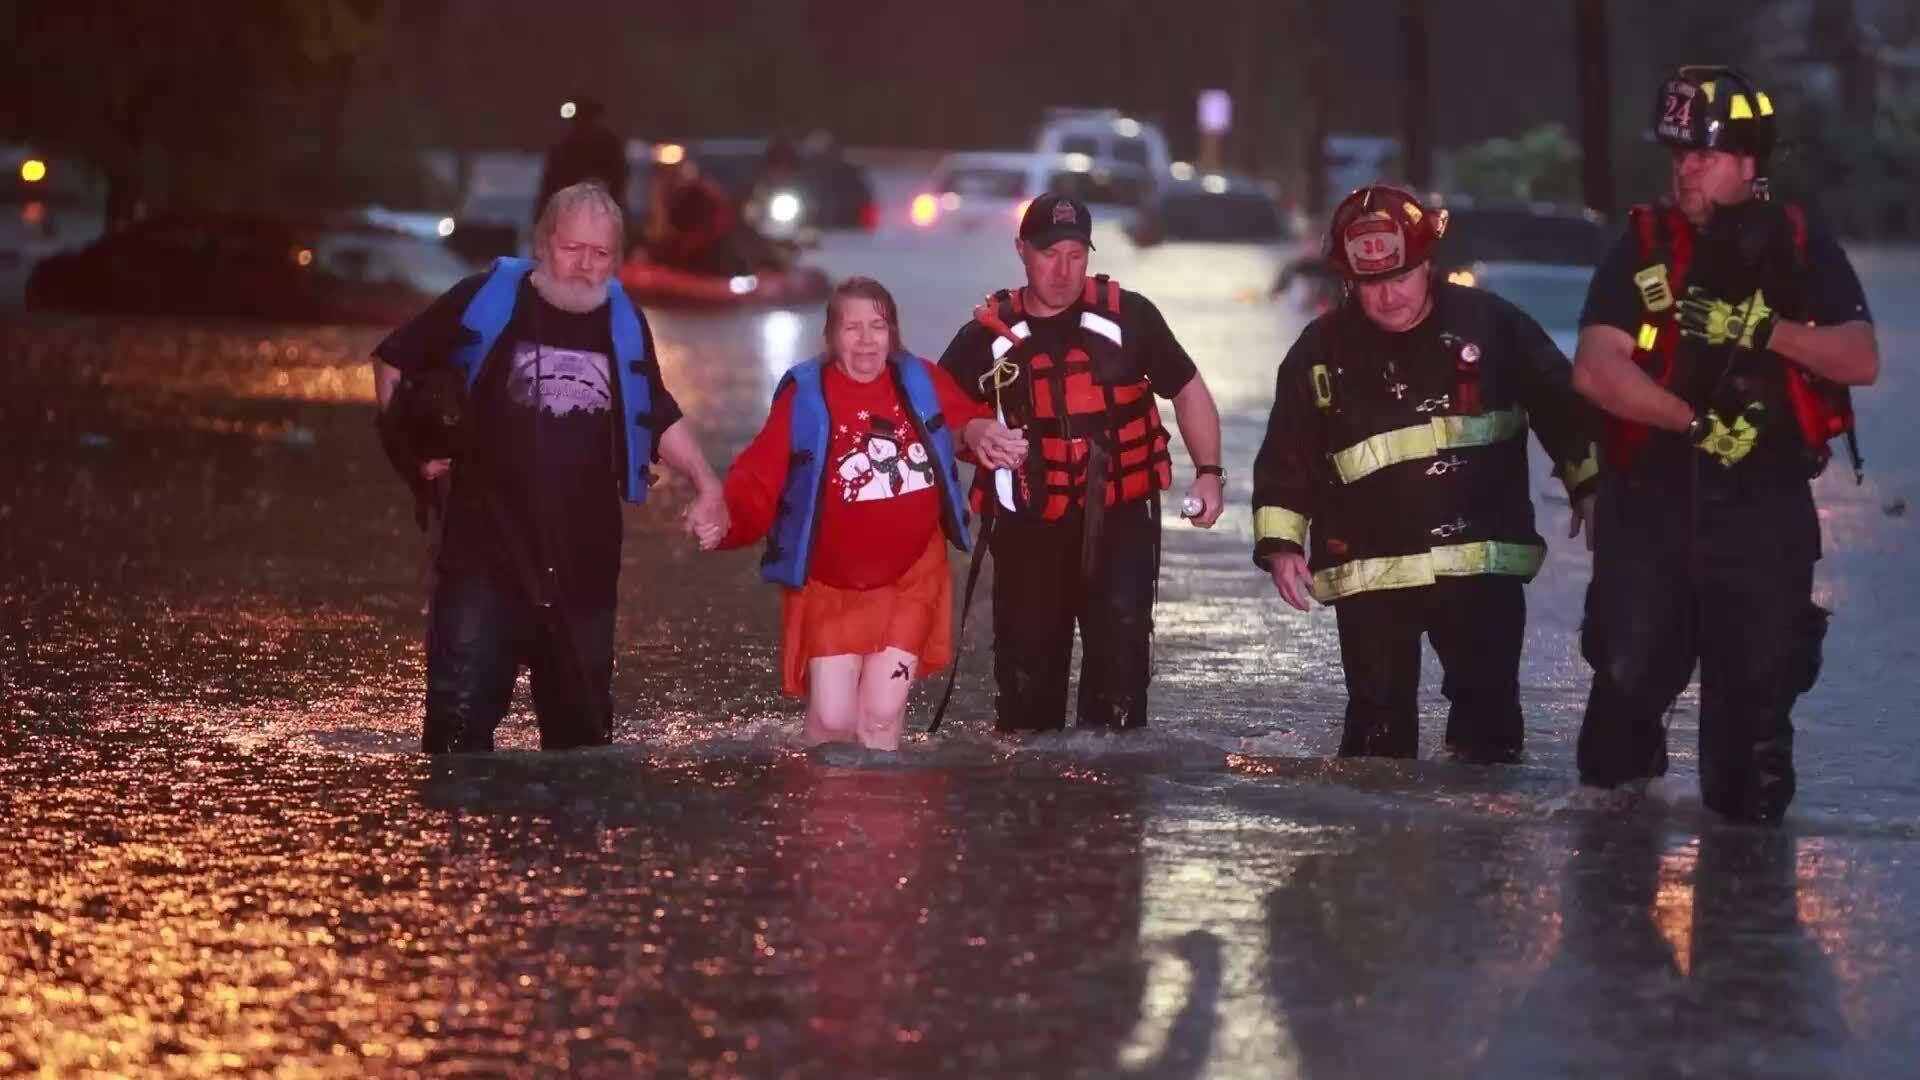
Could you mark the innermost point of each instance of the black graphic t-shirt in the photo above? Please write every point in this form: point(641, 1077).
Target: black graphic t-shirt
point(544, 451)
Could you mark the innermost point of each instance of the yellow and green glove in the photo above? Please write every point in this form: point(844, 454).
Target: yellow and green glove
point(1727, 442)
point(1719, 322)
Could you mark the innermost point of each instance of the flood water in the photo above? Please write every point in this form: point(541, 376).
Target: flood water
point(220, 852)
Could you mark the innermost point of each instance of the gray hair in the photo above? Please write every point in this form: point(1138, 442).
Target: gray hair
point(586, 195)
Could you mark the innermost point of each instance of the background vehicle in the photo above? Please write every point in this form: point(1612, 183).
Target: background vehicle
point(830, 192)
point(1553, 293)
point(989, 190)
point(217, 264)
point(1212, 208)
point(1501, 234)
point(1107, 136)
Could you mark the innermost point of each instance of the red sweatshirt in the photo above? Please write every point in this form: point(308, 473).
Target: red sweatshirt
point(881, 505)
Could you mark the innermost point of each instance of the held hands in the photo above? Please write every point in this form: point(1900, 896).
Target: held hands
point(1292, 578)
point(707, 520)
point(1581, 518)
point(995, 445)
point(1718, 322)
point(1728, 442)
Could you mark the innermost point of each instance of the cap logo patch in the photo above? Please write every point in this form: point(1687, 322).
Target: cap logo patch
point(1063, 213)
point(1375, 245)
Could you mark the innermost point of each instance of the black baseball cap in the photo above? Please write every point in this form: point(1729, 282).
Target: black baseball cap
point(1054, 217)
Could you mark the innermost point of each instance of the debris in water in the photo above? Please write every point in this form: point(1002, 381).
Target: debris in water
point(1896, 508)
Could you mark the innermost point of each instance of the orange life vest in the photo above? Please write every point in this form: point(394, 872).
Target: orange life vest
point(1092, 405)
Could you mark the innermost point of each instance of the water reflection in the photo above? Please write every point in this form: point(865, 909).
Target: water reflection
point(1683, 956)
point(1415, 945)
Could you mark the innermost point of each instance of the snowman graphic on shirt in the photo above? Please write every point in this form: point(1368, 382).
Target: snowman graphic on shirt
point(884, 462)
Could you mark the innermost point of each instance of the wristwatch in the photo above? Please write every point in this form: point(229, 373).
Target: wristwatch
point(1210, 470)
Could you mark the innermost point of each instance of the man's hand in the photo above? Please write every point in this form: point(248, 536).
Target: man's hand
point(707, 520)
point(995, 445)
point(1729, 442)
point(1581, 518)
point(435, 469)
point(1292, 578)
point(1718, 322)
point(1208, 491)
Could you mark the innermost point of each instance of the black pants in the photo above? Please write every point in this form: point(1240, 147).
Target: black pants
point(1728, 585)
point(1476, 625)
point(1040, 591)
point(480, 636)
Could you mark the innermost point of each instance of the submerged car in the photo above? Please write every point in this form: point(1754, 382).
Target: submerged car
point(1213, 208)
point(250, 266)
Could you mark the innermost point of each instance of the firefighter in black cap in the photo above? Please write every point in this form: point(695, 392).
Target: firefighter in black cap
point(1719, 336)
point(1073, 472)
point(1398, 439)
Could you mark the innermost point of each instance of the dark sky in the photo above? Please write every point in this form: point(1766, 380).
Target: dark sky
point(977, 73)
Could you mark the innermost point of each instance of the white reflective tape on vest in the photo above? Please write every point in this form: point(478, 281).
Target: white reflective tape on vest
point(1001, 346)
point(1101, 325)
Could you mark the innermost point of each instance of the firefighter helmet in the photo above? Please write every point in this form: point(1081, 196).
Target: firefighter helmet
point(1380, 230)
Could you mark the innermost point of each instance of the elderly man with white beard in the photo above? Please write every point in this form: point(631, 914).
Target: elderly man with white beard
point(563, 412)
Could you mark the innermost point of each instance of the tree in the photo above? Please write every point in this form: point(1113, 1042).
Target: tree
point(178, 102)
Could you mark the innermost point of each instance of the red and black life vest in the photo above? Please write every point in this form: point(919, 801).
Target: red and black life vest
point(1822, 409)
point(1092, 407)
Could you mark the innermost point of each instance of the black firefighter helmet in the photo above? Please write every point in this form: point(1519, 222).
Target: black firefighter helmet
point(1711, 107)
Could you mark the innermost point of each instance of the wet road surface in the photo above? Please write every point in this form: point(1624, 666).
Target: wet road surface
point(222, 854)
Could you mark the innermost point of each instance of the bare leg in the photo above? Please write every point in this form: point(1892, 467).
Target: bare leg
point(833, 698)
point(885, 678)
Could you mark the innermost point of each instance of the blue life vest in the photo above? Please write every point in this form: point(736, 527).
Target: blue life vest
point(790, 543)
point(492, 309)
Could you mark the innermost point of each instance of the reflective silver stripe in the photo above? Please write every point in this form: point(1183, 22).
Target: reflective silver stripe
point(1279, 523)
point(1422, 568)
point(1001, 346)
point(1376, 452)
point(1101, 325)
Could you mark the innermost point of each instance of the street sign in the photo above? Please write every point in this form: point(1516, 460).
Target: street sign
point(1216, 112)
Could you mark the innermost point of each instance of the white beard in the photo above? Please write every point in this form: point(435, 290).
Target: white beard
point(568, 295)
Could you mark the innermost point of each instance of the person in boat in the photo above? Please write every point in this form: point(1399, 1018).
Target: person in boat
point(854, 482)
point(692, 225)
point(566, 410)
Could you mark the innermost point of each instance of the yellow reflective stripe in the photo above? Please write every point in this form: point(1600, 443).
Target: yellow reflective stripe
point(1422, 568)
point(1376, 452)
point(1766, 106)
point(1279, 523)
point(1738, 108)
point(1580, 472)
point(1649, 337)
point(1708, 88)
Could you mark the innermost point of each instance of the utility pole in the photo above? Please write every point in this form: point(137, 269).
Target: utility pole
point(1593, 91)
point(1416, 138)
point(1315, 158)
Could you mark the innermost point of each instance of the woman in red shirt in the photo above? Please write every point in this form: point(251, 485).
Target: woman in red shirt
point(876, 609)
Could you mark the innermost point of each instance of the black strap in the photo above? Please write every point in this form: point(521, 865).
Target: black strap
point(966, 605)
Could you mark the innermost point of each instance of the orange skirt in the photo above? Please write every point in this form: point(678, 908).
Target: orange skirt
point(914, 614)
